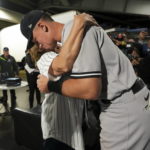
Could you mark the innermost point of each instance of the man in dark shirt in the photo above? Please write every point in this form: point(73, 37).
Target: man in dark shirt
point(8, 67)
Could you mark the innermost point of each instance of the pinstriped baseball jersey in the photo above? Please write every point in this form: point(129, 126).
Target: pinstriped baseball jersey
point(61, 116)
point(98, 58)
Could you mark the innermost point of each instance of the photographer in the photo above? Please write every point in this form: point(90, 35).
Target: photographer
point(133, 53)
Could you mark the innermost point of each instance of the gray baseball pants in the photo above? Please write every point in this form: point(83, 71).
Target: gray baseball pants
point(125, 122)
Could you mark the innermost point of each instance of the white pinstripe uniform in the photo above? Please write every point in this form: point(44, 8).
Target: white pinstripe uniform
point(61, 116)
point(125, 123)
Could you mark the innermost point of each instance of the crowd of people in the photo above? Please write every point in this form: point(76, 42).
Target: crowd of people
point(137, 49)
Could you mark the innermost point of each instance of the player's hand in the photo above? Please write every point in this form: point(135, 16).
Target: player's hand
point(42, 83)
point(85, 19)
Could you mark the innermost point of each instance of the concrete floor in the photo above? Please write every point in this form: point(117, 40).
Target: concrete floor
point(7, 141)
point(22, 98)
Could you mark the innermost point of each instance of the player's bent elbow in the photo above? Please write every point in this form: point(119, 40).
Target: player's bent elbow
point(60, 67)
point(60, 70)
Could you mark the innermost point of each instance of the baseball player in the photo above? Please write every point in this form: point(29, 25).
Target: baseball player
point(101, 71)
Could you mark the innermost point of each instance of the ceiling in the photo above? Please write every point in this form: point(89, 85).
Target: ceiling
point(4, 24)
point(114, 13)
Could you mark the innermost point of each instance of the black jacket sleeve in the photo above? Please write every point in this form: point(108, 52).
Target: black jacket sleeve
point(29, 61)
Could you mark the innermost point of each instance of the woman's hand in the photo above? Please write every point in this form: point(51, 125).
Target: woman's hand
point(84, 20)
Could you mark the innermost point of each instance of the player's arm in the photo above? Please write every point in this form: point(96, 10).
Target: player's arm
point(85, 88)
point(69, 51)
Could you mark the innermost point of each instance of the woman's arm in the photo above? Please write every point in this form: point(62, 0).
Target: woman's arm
point(69, 51)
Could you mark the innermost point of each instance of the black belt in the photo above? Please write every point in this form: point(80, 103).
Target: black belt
point(138, 85)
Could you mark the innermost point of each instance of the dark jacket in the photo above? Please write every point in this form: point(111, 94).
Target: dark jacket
point(29, 61)
point(8, 65)
point(143, 70)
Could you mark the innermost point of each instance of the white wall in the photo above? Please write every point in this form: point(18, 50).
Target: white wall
point(11, 36)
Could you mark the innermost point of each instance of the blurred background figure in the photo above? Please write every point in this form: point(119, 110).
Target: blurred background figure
point(141, 37)
point(146, 48)
point(141, 41)
point(32, 55)
point(120, 40)
point(9, 67)
point(134, 55)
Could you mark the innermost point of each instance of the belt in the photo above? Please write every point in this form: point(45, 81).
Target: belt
point(138, 85)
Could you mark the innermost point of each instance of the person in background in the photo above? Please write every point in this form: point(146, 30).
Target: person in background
point(32, 72)
point(134, 55)
point(141, 37)
point(140, 41)
point(9, 67)
point(120, 41)
point(144, 70)
point(146, 48)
